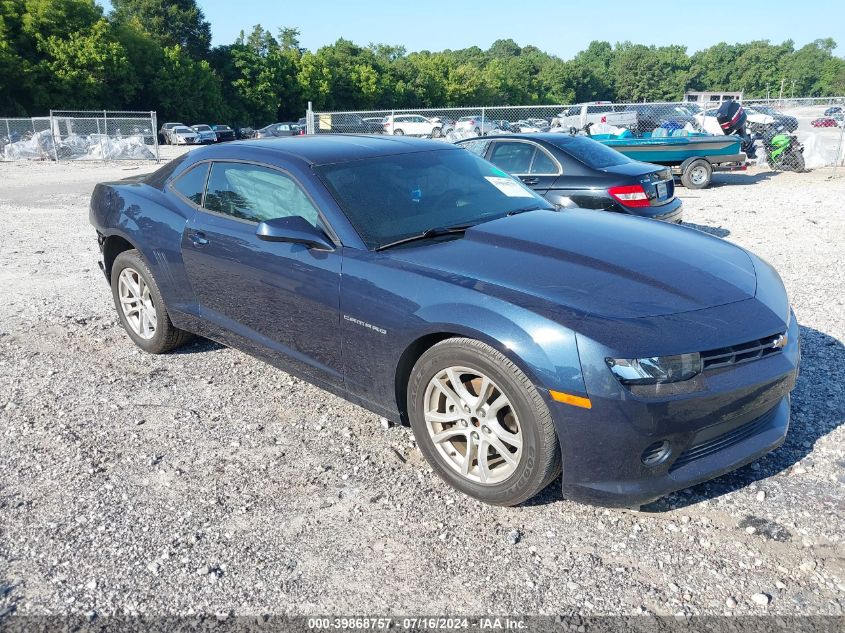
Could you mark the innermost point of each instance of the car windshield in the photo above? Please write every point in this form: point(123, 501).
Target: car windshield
point(183, 130)
point(222, 128)
point(202, 128)
point(592, 153)
point(389, 198)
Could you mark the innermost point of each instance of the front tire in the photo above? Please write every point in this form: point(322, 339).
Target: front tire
point(481, 424)
point(140, 306)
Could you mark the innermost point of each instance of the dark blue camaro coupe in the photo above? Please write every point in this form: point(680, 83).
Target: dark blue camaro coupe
point(423, 283)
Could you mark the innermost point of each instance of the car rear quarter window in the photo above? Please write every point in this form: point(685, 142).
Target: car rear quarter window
point(543, 163)
point(255, 193)
point(192, 183)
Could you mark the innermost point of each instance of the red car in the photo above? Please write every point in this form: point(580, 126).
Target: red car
point(825, 121)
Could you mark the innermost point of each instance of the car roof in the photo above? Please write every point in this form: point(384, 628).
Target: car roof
point(321, 149)
point(555, 138)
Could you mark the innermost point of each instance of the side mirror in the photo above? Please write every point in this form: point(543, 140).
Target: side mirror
point(296, 230)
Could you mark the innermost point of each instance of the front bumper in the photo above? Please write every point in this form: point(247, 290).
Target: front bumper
point(717, 422)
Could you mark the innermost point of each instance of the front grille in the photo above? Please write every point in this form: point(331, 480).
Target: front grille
point(723, 441)
point(752, 350)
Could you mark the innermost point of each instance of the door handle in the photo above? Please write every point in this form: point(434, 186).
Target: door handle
point(530, 181)
point(198, 238)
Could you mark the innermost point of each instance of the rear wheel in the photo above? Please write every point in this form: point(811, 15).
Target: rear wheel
point(436, 133)
point(697, 175)
point(481, 424)
point(398, 132)
point(140, 306)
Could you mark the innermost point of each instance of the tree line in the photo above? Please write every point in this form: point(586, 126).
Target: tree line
point(157, 55)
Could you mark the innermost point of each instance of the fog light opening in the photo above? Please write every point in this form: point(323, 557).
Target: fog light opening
point(656, 453)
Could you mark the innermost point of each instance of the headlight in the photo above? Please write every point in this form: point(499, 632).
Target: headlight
point(658, 369)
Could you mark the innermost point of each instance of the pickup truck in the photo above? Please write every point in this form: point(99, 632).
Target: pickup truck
point(596, 112)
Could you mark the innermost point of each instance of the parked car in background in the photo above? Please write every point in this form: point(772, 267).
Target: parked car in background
point(652, 116)
point(347, 123)
point(787, 122)
point(527, 127)
point(596, 112)
point(164, 131)
point(755, 121)
point(620, 357)
point(204, 133)
point(182, 135)
point(835, 120)
point(833, 110)
point(369, 120)
point(244, 133)
point(278, 129)
point(412, 125)
point(474, 124)
point(576, 171)
point(224, 132)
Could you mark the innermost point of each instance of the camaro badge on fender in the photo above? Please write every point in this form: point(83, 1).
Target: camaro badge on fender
point(369, 326)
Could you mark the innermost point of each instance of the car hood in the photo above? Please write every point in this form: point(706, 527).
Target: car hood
point(590, 263)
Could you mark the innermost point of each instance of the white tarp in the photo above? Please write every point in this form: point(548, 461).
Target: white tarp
point(75, 147)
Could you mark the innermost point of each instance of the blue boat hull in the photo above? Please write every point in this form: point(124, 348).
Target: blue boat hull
point(673, 150)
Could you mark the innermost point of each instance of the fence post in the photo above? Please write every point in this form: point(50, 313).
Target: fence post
point(309, 119)
point(8, 131)
point(839, 155)
point(154, 127)
point(54, 134)
point(105, 134)
point(482, 122)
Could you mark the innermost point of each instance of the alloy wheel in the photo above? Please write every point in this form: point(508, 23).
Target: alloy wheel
point(473, 425)
point(137, 304)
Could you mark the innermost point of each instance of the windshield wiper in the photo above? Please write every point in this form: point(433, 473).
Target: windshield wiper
point(536, 207)
point(437, 231)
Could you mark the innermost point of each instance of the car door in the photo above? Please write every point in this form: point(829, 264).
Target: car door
point(422, 126)
point(279, 300)
point(526, 160)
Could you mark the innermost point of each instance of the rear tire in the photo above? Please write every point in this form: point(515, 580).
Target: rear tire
point(140, 306)
point(436, 133)
point(465, 431)
point(697, 175)
point(398, 132)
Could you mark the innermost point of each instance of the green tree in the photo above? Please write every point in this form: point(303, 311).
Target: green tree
point(171, 22)
point(185, 89)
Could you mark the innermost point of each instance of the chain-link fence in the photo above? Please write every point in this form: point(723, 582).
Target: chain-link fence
point(786, 134)
point(81, 135)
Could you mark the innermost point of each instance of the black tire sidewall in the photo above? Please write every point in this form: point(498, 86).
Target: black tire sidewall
point(132, 259)
point(528, 478)
point(687, 180)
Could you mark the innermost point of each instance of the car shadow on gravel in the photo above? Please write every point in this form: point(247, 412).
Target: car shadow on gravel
point(718, 231)
point(198, 345)
point(741, 178)
point(818, 407)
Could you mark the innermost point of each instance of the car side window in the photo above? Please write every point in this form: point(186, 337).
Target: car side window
point(543, 163)
point(514, 158)
point(255, 193)
point(476, 147)
point(192, 183)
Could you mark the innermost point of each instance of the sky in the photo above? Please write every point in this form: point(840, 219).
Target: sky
point(558, 27)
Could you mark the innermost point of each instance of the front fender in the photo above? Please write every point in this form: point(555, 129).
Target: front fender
point(546, 351)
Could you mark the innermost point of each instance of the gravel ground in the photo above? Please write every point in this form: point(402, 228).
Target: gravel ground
point(207, 482)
